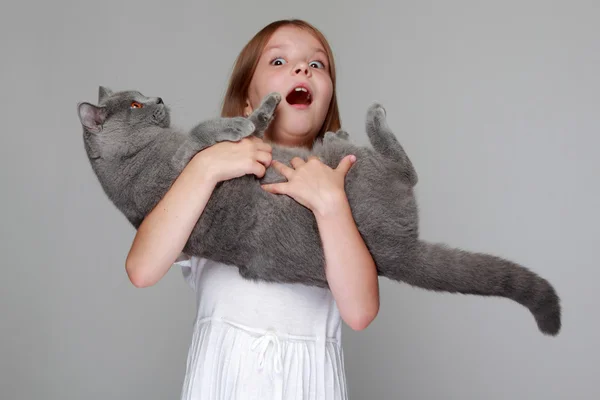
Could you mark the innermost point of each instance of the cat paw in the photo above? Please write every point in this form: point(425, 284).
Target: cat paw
point(329, 136)
point(342, 134)
point(376, 111)
point(270, 103)
point(339, 135)
point(265, 113)
point(376, 118)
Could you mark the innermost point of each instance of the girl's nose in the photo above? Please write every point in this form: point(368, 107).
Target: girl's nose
point(301, 68)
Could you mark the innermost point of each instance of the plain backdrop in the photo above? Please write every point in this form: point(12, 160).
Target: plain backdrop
point(496, 103)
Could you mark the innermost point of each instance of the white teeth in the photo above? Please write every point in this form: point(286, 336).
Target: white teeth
point(305, 90)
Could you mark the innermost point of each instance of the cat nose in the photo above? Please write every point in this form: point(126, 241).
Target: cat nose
point(159, 101)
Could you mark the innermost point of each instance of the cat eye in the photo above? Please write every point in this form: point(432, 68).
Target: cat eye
point(135, 104)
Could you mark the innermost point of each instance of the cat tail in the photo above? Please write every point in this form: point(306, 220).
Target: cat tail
point(442, 268)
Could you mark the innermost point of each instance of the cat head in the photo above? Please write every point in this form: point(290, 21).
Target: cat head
point(121, 122)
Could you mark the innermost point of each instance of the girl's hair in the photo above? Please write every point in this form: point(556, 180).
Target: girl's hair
point(245, 65)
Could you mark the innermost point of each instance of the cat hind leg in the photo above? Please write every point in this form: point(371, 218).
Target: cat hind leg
point(385, 142)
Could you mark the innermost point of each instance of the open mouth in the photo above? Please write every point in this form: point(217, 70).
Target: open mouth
point(299, 96)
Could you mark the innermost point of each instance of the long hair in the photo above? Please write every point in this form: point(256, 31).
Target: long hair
point(245, 65)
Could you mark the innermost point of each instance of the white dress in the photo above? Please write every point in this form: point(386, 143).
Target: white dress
point(259, 340)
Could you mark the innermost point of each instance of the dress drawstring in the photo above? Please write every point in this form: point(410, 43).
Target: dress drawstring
point(262, 343)
point(265, 339)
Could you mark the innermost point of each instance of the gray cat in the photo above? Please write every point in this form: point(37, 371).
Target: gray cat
point(137, 155)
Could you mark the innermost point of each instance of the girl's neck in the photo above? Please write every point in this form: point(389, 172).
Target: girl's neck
point(290, 141)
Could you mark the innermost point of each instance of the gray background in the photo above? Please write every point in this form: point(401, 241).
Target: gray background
point(497, 105)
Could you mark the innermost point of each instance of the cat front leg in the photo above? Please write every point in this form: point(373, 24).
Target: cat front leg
point(208, 133)
point(212, 131)
point(234, 129)
point(385, 142)
point(264, 114)
point(186, 150)
point(221, 129)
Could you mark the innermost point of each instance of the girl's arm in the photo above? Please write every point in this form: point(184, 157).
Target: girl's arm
point(165, 230)
point(350, 269)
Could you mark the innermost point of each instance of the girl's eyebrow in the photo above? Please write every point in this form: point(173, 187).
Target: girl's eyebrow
point(320, 50)
point(272, 47)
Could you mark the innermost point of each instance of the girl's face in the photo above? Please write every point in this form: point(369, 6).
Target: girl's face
point(294, 64)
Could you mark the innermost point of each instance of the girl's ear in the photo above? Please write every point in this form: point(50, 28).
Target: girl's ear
point(91, 116)
point(248, 109)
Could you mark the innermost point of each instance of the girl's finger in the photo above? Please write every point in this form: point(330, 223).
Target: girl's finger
point(258, 169)
point(282, 169)
point(297, 162)
point(264, 147)
point(319, 159)
point(345, 164)
point(264, 157)
point(276, 188)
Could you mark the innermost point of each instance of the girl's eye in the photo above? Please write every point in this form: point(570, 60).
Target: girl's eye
point(135, 104)
point(318, 63)
point(277, 61)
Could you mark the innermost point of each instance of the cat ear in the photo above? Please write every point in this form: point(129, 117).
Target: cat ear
point(103, 92)
point(91, 116)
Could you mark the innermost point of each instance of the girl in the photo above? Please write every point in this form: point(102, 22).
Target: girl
point(258, 340)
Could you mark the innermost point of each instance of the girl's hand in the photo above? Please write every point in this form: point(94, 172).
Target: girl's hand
point(227, 160)
point(312, 183)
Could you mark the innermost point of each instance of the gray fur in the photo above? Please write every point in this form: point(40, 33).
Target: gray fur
point(137, 155)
